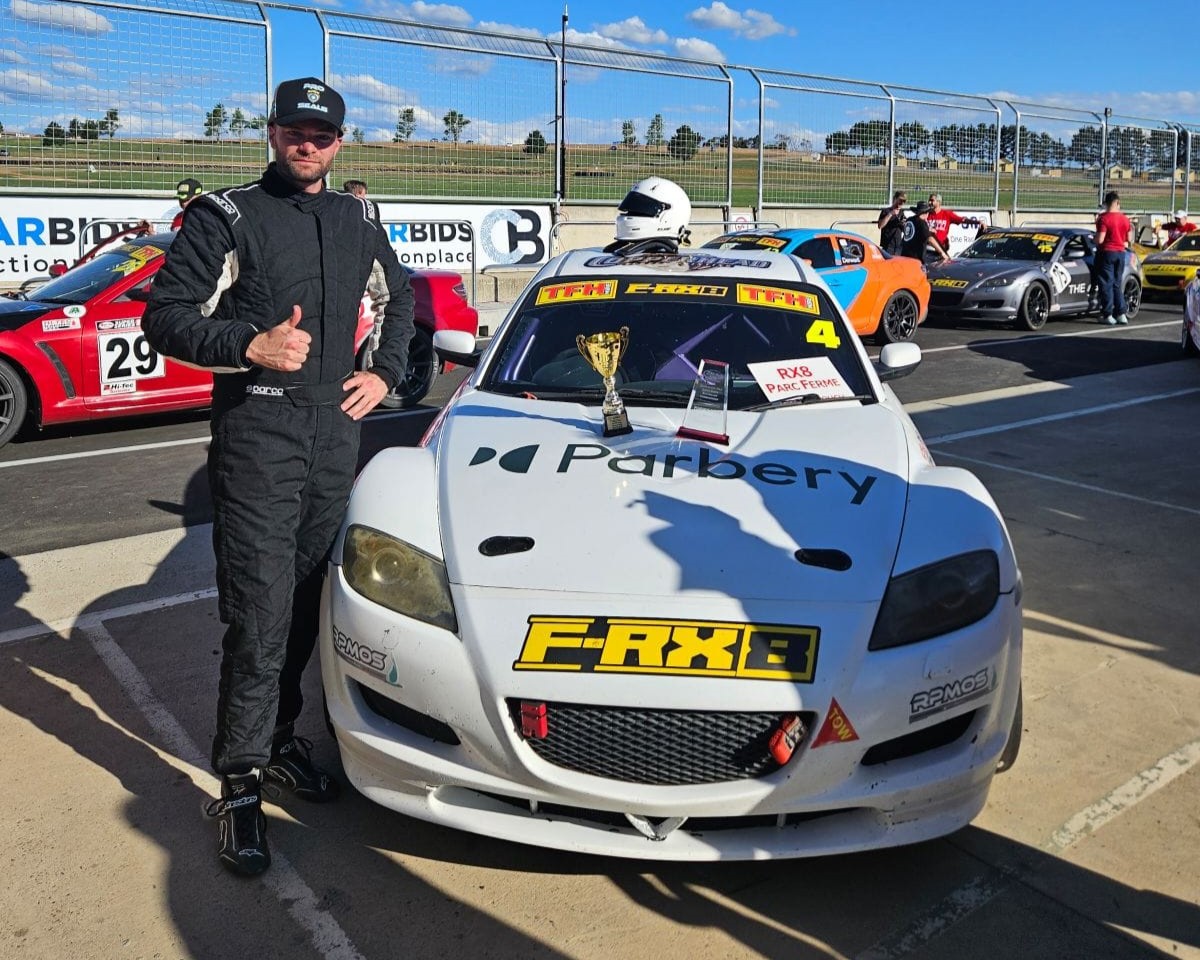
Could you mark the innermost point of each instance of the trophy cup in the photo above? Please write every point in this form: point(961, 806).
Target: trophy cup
point(603, 352)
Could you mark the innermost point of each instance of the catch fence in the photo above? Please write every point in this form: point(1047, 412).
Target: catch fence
point(113, 97)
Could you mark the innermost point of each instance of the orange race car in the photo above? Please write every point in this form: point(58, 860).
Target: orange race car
point(884, 297)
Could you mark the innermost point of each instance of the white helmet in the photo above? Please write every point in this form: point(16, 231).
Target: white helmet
point(654, 207)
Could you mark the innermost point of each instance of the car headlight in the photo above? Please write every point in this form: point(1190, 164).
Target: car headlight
point(398, 576)
point(996, 282)
point(936, 599)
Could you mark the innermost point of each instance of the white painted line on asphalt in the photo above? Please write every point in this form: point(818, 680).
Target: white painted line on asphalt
point(979, 891)
point(138, 447)
point(1050, 418)
point(325, 933)
point(1125, 797)
point(1014, 341)
point(88, 620)
point(1070, 483)
point(938, 919)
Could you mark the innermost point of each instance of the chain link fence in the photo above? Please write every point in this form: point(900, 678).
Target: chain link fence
point(113, 97)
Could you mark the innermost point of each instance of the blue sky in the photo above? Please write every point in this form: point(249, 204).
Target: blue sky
point(1100, 52)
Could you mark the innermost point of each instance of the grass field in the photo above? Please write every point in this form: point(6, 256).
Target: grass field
point(594, 173)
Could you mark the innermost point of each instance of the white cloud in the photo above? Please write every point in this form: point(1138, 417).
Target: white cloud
point(752, 24)
point(72, 69)
point(632, 30)
point(696, 49)
point(61, 15)
point(590, 39)
point(29, 84)
point(11, 56)
point(369, 88)
point(444, 14)
point(459, 63)
point(491, 26)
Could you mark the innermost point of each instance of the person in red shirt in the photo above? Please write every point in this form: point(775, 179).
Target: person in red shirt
point(1178, 227)
point(1112, 240)
point(942, 218)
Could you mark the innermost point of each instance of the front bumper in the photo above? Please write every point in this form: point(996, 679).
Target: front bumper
point(452, 753)
point(998, 303)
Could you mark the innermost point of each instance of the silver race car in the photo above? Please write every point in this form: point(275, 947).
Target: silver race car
point(1026, 275)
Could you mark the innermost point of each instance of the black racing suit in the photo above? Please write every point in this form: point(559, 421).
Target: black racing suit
point(283, 454)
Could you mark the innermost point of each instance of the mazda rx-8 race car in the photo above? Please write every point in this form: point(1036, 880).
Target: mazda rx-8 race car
point(72, 349)
point(754, 621)
point(884, 297)
point(1169, 271)
point(1028, 275)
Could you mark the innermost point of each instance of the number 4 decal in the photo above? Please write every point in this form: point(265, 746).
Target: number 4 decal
point(823, 332)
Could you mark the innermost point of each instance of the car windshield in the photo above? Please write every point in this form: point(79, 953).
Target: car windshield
point(1188, 243)
point(1000, 245)
point(769, 334)
point(82, 282)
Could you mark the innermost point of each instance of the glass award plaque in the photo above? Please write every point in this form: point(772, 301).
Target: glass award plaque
point(708, 407)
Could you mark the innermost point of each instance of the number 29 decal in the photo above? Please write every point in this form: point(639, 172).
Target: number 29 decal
point(126, 358)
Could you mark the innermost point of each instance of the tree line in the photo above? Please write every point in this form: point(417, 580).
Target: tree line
point(1134, 147)
point(86, 129)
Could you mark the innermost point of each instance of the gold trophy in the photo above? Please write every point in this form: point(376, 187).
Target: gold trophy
point(603, 351)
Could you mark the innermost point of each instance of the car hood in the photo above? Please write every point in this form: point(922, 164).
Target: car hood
point(973, 271)
point(650, 514)
point(17, 313)
point(1190, 258)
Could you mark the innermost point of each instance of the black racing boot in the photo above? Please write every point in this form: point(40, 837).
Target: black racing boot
point(242, 844)
point(291, 766)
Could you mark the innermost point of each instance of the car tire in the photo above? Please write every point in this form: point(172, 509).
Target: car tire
point(899, 319)
point(1132, 291)
point(14, 402)
point(1187, 344)
point(419, 375)
point(1035, 307)
point(1013, 747)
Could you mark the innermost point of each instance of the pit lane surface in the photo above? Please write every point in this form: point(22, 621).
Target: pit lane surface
point(1085, 436)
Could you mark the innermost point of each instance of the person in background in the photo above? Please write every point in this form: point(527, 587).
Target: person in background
point(186, 191)
point(1112, 239)
point(891, 224)
point(942, 218)
point(262, 286)
point(356, 188)
point(918, 238)
point(1178, 227)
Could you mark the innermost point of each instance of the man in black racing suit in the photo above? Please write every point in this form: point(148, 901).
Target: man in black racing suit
point(262, 285)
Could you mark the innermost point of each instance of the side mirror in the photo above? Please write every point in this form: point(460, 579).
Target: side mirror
point(57, 269)
point(457, 346)
point(897, 360)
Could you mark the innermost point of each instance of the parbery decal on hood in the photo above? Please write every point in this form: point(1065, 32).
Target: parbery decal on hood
point(588, 456)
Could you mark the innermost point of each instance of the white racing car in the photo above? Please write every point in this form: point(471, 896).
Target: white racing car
point(729, 608)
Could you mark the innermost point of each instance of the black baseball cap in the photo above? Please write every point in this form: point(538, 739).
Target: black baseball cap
point(188, 188)
point(307, 99)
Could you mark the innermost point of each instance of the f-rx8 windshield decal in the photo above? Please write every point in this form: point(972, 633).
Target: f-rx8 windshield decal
point(691, 648)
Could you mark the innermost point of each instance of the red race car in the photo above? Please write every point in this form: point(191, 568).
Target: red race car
point(74, 350)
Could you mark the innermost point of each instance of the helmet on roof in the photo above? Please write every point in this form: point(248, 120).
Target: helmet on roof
point(654, 207)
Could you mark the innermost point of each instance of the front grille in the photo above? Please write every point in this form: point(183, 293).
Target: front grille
point(663, 747)
point(944, 298)
point(1167, 283)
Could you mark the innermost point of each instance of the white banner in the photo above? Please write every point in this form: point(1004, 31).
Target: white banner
point(38, 231)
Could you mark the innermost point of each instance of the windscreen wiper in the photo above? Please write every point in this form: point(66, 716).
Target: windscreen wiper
point(804, 400)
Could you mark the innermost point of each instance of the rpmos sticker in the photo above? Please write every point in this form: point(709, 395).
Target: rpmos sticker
point(690, 648)
point(580, 290)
